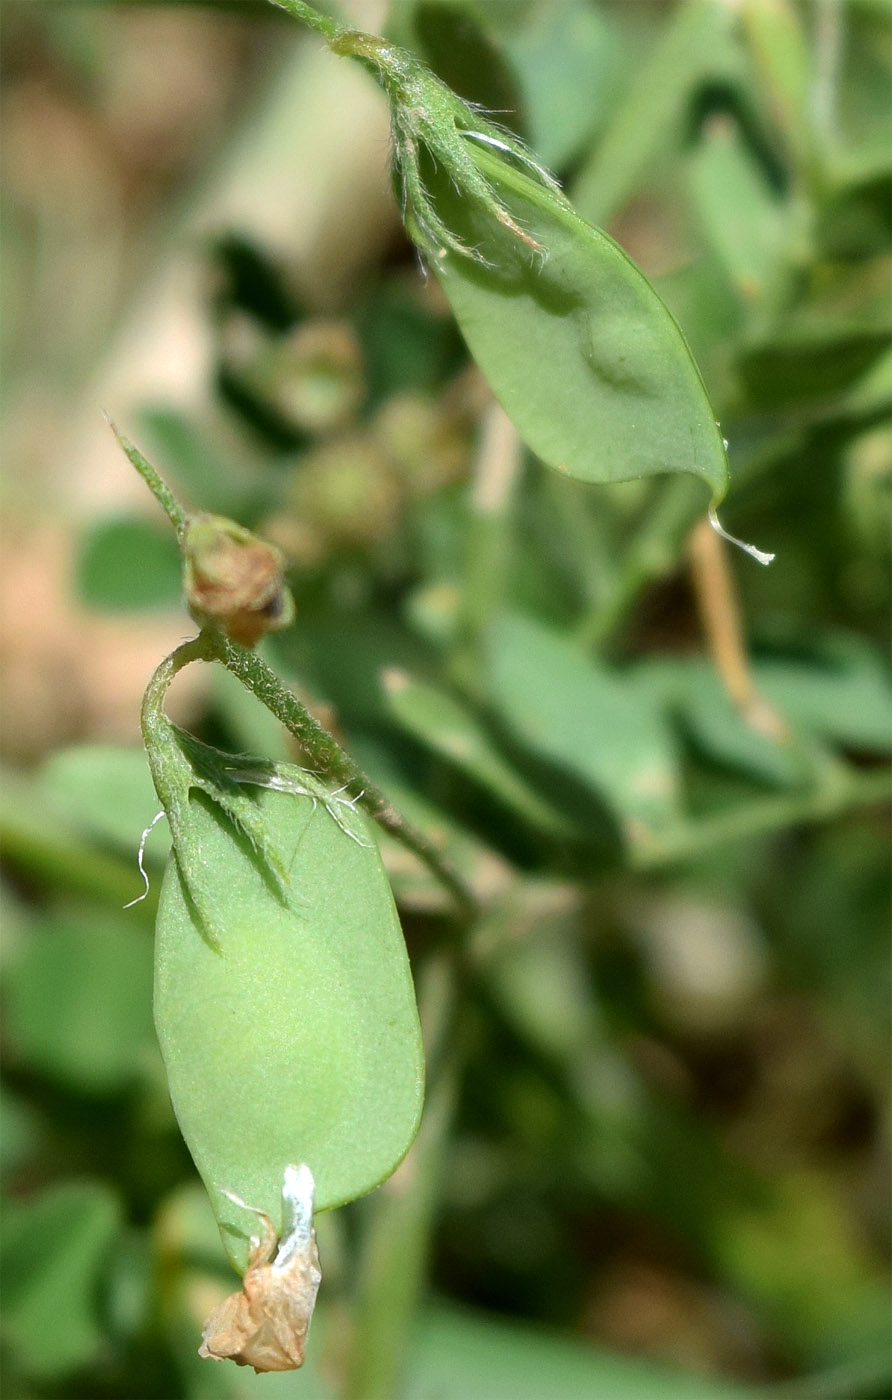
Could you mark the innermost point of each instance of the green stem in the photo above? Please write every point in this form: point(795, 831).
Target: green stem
point(653, 552)
point(326, 754)
point(323, 24)
point(154, 726)
point(584, 519)
point(489, 542)
point(401, 1214)
point(176, 513)
point(841, 793)
point(829, 43)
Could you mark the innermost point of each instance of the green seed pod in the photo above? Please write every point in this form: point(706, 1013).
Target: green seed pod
point(284, 1007)
point(584, 357)
point(587, 361)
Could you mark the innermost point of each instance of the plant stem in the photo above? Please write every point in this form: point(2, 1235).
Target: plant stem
point(323, 24)
point(843, 791)
point(326, 754)
point(174, 511)
point(489, 541)
point(829, 42)
point(652, 552)
point(195, 650)
point(719, 609)
point(401, 1214)
point(210, 645)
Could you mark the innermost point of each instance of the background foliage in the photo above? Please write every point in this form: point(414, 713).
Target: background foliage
point(664, 1145)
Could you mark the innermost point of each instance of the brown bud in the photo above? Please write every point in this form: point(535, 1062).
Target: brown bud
point(234, 581)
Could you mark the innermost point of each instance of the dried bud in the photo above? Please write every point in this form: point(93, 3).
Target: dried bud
point(234, 581)
point(266, 1324)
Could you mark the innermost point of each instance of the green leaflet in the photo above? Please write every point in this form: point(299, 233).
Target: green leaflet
point(587, 719)
point(579, 349)
point(290, 1036)
point(452, 729)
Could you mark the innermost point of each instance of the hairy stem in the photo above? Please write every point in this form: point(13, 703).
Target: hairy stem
point(327, 756)
point(323, 24)
point(175, 512)
point(401, 1214)
point(197, 649)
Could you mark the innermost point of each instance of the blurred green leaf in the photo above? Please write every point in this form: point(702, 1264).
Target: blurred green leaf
point(79, 1004)
point(859, 95)
point(204, 475)
point(453, 730)
point(459, 1354)
point(538, 974)
point(55, 1249)
point(19, 1133)
point(870, 397)
point(129, 564)
point(339, 655)
point(695, 41)
point(40, 841)
point(692, 690)
point(800, 1257)
point(843, 692)
point(838, 690)
point(566, 55)
point(590, 721)
point(405, 346)
point(742, 217)
point(809, 361)
point(855, 221)
point(781, 55)
point(105, 791)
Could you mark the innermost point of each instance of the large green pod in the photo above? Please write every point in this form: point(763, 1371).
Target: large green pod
point(290, 1033)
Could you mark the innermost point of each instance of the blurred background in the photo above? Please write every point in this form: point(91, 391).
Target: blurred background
point(664, 1150)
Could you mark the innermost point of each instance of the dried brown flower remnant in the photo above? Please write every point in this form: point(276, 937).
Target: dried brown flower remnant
point(266, 1324)
point(233, 580)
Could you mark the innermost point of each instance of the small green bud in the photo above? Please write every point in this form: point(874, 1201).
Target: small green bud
point(311, 378)
point(233, 580)
point(319, 383)
point(344, 497)
point(426, 441)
